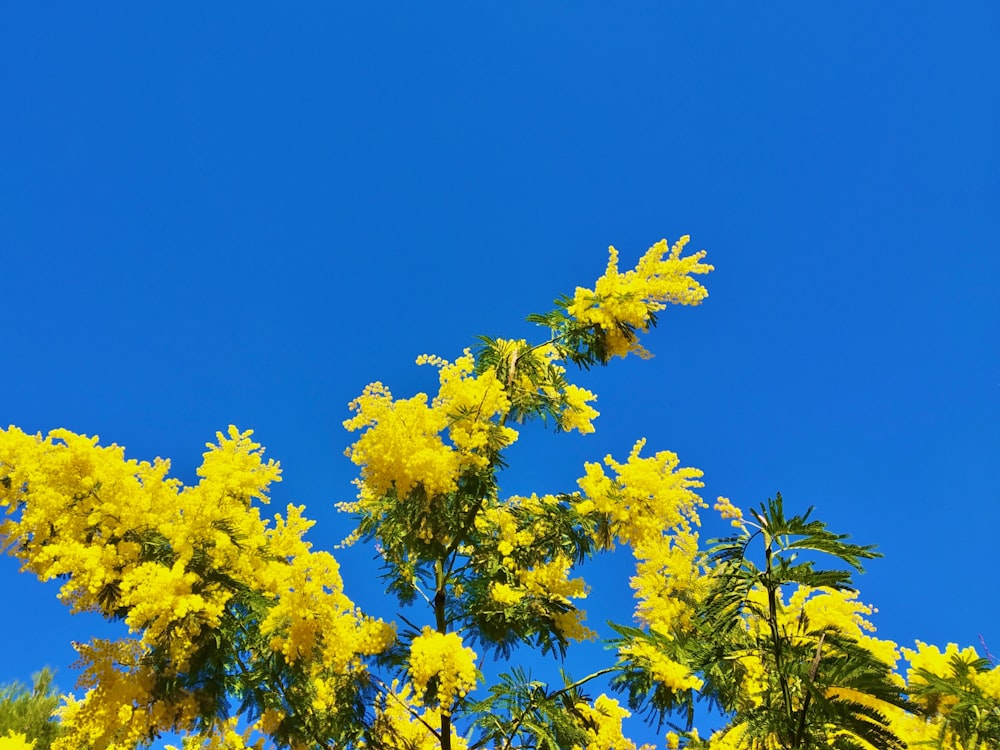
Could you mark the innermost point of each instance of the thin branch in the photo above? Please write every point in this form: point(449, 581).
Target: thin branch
point(986, 649)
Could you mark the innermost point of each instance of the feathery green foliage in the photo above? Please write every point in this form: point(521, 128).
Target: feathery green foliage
point(29, 711)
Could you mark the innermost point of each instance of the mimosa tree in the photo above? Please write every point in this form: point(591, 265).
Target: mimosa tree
point(27, 713)
point(240, 634)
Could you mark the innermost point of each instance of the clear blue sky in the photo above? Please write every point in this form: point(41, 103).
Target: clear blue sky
point(239, 213)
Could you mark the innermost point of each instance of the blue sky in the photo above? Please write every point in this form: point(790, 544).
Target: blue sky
point(235, 213)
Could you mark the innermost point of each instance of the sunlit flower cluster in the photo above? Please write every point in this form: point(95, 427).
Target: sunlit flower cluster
point(729, 512)
point(473, 403)
point(623, 302)
point(603, 723)
point(661, 667)
point(669, 581)
point(578, 414)
point(646, 496)
point(831, 609)
point(444, 657)
point(552, 581)
point(498, 521)
point(15, 741)
point(131, 543)
point(933, 660)
point(403, 444)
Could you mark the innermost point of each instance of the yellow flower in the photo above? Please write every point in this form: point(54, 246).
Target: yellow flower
point(988, 682)
point(15, 741)
point(505, 595)
point(934, 660)
point(442, 655)
point(729, 511)
point(82, 512)
point(604, 724)
point(620, 301)
point(401, 444)
point(662, 668)
point(578, 414)
point(648, 494)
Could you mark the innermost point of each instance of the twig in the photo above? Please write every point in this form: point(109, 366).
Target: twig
point(988, 654)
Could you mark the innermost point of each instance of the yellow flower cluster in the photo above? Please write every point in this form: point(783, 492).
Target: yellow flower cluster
point(401, 445)
point(830, 609)
point(933, 727)
point(735, 738)
point(932, 659)
point(119, 708)
point(551, 581)
point(646, 496)
point(669, 582)
point(402, 442)
point(129, 542)
point(578, 414)
point(729, 512)
point(15, 741)
point(603, 724)
point(498, 522)
point(652, 506)
point(505, 594)
point(539, 578)
point(988, 683)
point(312, 618)
point(621, 302)
point(808, 610)
point(442, 656)
point(472, 402)
point(662, 668)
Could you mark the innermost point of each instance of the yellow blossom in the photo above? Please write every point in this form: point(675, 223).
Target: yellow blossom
point(647, 495)
point(623, 301)
point(505, 594)
point(729, 511)
point(132, 543)
point(472, 403)
point(401, 445)
point(603, 724)
point(578, 414)
point(442, 655)
point(15, 741)
point(663, 669)
point(988, 683)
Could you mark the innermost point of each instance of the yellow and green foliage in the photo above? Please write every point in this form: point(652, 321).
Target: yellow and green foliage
point(27, 717)
point(240, 635)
